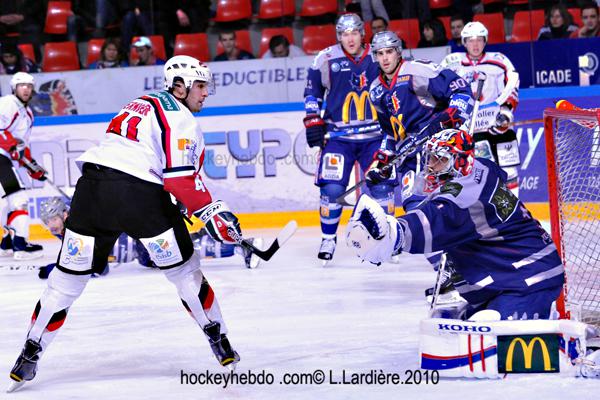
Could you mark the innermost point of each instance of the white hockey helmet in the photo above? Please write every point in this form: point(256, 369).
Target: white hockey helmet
point(384, 40)
point(473, 29)
point(52, 207)
point(21, 77)
point(188, 70)
point(349, 22)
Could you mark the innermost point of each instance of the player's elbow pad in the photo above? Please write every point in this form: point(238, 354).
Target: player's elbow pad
point(189, 190)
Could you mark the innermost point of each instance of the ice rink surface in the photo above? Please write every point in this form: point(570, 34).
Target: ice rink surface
point(129, 337)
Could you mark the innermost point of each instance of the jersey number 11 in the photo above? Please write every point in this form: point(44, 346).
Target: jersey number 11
point(117, 122)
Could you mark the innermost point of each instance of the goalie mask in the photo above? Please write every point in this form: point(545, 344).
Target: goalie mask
point(448, 154)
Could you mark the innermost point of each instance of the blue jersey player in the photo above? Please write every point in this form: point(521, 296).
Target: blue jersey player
point(414, 99)
point(507, 262)
point(348, 130)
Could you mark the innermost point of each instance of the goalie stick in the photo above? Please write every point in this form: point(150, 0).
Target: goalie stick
point(282, 237)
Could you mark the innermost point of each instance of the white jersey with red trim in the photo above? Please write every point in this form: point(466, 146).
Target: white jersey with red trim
point(502, 81)
point(151, 134)
point(16, 118)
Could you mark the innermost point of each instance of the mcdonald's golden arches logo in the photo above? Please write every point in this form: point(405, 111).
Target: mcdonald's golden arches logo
point(360, 105)
point(528, 353)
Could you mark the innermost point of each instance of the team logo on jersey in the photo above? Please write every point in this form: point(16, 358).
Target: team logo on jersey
point(395, 103)
point(359, 82)
point(335, 67)
point(74, 246)
point(361, 104)
point(504, 201)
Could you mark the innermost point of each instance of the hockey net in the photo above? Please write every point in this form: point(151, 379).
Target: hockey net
point(573, 158)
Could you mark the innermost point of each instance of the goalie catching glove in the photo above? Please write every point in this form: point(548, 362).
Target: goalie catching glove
point(372, 234)
point(220, 223)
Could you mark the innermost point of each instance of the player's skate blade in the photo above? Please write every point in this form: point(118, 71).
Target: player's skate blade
point(25, 367)
point(220, 346)
point(326, 250)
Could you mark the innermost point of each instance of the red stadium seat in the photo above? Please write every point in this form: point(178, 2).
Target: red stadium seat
point(318, 37)
point(243, 42)
point(60, 56)
point(526, 27)
point(270, 9)
point(408, 30)
point(233, 10)
point(27, 50)
point(313, 8)
point(495, 25)
point(268, 33)
point(446, 22)
point(576, 14)
point(437, 4)
point(192, 44)
point(56, 17)
point(158, 45)
point(94, 47)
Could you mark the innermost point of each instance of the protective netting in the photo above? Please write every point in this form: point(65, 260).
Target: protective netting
point(577, 166)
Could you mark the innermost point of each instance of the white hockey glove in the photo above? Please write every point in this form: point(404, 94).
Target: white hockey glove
point(504, 118)
point(371, 233)
point(220, 223)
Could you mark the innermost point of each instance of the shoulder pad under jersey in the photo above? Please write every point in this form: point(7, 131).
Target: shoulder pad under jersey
point(426, 69)
point(325, 55)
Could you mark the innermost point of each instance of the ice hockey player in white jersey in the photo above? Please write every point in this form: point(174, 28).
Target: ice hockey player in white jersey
point(494, 139)
point(16, 120)
point(153, 150)
point(507, 262)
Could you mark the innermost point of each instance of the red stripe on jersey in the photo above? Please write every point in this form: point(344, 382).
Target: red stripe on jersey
point(162, 120)
point(12, 120)
point(14, 214)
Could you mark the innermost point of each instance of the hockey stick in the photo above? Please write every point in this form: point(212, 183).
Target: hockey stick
point(353, 131)
point(28, 164)
point(480, 81)
point(407, 149)
point(437, 286)
point(282, 237)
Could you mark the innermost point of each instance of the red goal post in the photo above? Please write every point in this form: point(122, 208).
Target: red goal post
point(573, 161)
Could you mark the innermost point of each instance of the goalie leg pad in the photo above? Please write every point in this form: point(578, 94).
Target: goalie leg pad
point(196, 293)
point(52, 308)
point(372, 234)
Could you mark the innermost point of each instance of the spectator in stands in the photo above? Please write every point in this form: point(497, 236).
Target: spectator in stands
point(13, 60)
point(110, 56)
point(591, 24)
point(378, 24)
point(23, 19)
point(373, 7)
point(416, 9)
point(143, 47)
point(232, 52)
point(137, 19)
point(457, 23)
point(279, 46)
point(433, 34)
point(558, 24)
point(181, 16)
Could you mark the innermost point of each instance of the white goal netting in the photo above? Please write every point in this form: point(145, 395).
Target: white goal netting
point(573, 153)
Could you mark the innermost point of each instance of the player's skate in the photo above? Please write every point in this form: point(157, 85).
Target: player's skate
point(220, 346)
point(26, 365)
point(327, 249)
point(6, 245)
point(24, 250)
point(252, 260)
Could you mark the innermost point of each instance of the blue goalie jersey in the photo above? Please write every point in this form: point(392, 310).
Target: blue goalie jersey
point(341, 82)
point(494, 242)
